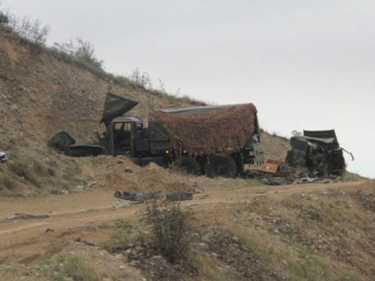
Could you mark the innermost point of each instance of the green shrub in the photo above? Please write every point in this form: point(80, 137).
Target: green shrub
point(170, 228)
point(30, 30)
point(81, 52)
point(141, 79)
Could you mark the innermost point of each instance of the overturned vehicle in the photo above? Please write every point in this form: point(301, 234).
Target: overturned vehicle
point(211, 140)
point(319, 152)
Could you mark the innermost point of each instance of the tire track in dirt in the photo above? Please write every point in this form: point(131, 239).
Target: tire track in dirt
point(29, 234)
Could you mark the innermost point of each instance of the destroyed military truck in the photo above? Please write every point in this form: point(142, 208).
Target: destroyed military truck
point(211, 140)
point(319, 152)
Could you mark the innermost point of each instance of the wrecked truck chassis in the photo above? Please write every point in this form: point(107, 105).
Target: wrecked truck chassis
point(319, 152)
point(194, 139)
point(64, 143)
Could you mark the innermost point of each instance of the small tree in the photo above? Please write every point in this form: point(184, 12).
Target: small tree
point(84, 52)
point(38, 33)
point(26, 28)
point(170, 228)
point(33, 31)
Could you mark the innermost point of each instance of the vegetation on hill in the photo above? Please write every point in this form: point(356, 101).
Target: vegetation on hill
point(238, 229)
point(80, 52)
point(45, 90)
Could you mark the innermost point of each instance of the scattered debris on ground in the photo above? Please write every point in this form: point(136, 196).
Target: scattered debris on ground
point(19, 216)
point(138, 196)
point(274, 172)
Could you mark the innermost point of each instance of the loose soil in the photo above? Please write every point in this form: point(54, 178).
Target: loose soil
point(59, 219)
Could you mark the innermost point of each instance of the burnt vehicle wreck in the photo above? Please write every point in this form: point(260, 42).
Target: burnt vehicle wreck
point(212, 140)
point(319, 152)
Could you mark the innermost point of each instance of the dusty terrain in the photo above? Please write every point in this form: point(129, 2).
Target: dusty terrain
point(329, 225)
point(60, 221)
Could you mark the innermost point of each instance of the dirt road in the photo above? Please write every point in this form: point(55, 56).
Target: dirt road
point(31, 226)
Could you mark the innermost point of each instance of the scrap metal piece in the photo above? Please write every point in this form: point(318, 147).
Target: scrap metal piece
point(319, 152)
point(270, 166)
point(258, 153)
point(3, 157)
point(179, 196)
point(138, 196)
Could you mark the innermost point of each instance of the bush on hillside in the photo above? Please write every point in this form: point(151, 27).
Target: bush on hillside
point(31, 30)
point(170, 228)
point(82, 52)
point(141, 79)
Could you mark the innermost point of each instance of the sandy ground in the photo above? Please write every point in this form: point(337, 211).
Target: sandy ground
point(81, 215)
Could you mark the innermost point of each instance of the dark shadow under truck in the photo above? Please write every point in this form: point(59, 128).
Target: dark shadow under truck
point(211, 140)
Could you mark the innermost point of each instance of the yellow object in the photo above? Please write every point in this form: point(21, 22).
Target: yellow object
point(270, 166)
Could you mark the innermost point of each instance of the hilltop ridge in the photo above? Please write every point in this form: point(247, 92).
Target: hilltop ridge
point(42, 94)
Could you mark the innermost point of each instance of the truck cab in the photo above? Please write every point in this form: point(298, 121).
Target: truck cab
point(127, 136)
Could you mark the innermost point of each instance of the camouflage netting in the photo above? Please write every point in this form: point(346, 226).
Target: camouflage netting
point(209, 133)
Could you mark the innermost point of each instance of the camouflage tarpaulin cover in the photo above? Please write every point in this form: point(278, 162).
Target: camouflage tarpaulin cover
point(221, 131)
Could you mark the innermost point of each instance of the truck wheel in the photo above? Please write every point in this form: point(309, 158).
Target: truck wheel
point(221, 166)
point(189, 165)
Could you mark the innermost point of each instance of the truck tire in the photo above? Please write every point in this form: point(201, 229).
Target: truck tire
point(188, 165)
point(221, 166)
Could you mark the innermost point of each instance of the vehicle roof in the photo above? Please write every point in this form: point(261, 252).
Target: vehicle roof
point(197, 109)
point(322, 134)
point(323, 140)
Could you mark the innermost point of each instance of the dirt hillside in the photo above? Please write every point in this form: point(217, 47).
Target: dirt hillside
point(41, 95)
point(59, 219)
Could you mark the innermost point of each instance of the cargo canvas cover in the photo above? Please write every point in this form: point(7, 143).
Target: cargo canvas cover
point(218, 139)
